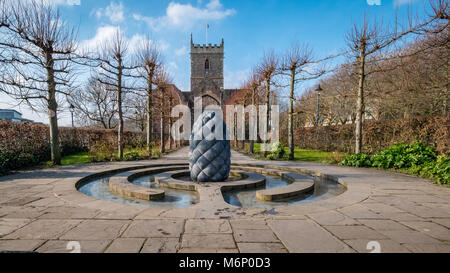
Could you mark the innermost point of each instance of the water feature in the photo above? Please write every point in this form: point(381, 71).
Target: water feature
point(234, 194)
point(99, 189)
point(323, 189)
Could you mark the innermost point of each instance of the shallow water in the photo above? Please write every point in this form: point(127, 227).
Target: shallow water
point(323, 189)
point(175, 198)
point(99, 189)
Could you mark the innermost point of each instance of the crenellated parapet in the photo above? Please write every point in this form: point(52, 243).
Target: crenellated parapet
point(207, 48)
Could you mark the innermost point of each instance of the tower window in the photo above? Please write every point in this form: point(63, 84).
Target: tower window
point(207, 64)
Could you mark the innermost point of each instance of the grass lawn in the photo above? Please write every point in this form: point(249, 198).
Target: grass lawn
point(309, 155)
point(75, 159)
point(80, 158)
point(85, 157)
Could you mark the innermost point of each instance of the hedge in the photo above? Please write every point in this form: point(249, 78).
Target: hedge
point(377, 135)
point(27, 144)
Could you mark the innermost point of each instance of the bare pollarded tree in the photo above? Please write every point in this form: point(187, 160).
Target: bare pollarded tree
point(365, 39)
point(116, 72)
point(297, 65)
point(37, 50)
point(162, 82)
point(149, 60)
point(254, 83)
point(135, 108)
point(267, 70)
point(95, 103)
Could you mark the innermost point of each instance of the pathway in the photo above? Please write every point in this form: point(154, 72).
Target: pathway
point(41, 211)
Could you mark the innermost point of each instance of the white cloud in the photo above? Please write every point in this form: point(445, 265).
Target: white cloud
point(102, 34)
point(235, 79)
point(185, 15)
point(181, 51)
point(114, 12)
point(138, 39)
point(214, 4)
point(173, 65)
point(106, 32)
point(73, 2)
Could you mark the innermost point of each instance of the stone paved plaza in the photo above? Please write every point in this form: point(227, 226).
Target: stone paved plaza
point(42, 211)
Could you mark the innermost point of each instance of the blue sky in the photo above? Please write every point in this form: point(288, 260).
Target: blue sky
point(248, 27)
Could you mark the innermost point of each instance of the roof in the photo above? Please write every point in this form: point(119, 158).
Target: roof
point(10, 110)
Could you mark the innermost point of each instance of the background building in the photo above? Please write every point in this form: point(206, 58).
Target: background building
point(12, 115)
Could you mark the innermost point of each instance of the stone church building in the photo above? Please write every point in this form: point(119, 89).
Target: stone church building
point(207, 79)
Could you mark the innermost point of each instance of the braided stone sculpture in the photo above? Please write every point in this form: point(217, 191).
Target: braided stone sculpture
point(209, 157)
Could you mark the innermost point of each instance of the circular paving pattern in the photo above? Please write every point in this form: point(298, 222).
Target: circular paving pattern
point(41, 210)
point(249, 186)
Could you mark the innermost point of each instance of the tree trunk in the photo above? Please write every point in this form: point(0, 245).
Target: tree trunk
point(291, 116)
point(360, 102)
point(162, 148)
point(119, 108)
point(52, 108)
point(149, 113)
point(235, 131)
point(170, 125)
point(252, 142)
point(267, 112)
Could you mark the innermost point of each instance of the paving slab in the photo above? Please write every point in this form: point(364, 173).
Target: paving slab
point(161, 245)
point(207, 241)
point(207, 226)
point(208, 250)
point(432, 229)
point(20, 245)
point(305, 236)
point(442, 221)
point(64, 246)
point(261, 248)
point(360, 212)
point(156, 228)
point(386, 246)
point(96, 230)
point(380, 224)
point(382, 208)
point(409, 237)
point(43, 229)
point(254, 236)
point(22, 212)
point(8, 225)
point(355, 232)
point(424, 212)
point(332, 218)
point(125, 245)
point(68, 213)
point(253, 224)
point(428, 248)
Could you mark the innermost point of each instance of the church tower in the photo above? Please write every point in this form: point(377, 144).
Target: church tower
point(207, 72)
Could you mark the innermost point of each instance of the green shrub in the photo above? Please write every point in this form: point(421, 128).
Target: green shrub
point(102, 151)
point(401, 156)
point(277, 151)
point(156, 154)
point(417, 159)
point(357, 160)
point(131, 156)
point(438, 170)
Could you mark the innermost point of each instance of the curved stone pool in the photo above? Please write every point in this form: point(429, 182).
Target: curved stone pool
point(323, 189)
point(99, 189)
